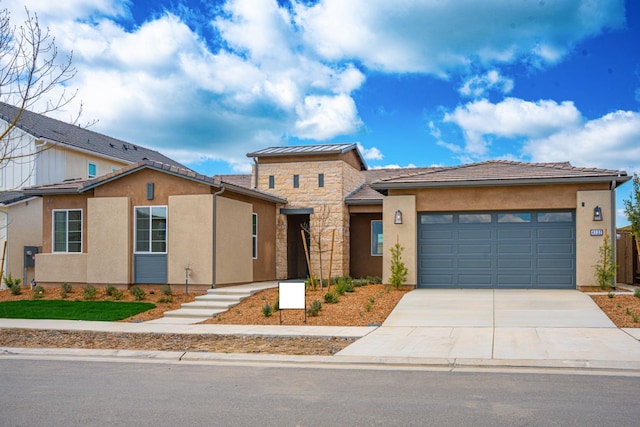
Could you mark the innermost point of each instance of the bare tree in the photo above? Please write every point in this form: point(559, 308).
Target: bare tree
point(320, 222)
point(31, 70)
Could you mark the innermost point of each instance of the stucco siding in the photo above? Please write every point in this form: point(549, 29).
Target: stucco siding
point(405, 234)
point(108, 244)
point(234, 263)
point(587, 246)
point(60, 268)
point(190, 239)
point(25, 229)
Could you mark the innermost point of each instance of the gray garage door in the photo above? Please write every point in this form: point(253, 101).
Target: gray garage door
point(497, 250)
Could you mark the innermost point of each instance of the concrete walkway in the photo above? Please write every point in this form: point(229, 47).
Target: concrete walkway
point(499, 325)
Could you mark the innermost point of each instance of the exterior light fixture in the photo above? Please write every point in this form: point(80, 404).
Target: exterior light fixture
point(398, 217)
point(597, 214)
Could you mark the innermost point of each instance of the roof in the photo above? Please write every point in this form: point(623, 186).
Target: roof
point(310, 150)
point(58, 132)
point(498, 172)
point(9, 197)
point(83, 185)
point(364, 195)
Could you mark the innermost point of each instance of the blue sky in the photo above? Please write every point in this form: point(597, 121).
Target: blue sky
point(415, 83)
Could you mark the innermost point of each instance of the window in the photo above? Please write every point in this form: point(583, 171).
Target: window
point(514, 218)
point(296, 181)
point(555, 217)
point(151, 229)
point(92, 170)
point(320, 180)
point(436, 219)
point(474, 219)
point(272, 181)
point(254, 236)
point(376, 238)
point(67, 230)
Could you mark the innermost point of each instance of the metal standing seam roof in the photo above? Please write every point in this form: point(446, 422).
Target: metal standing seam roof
point(58, 132)
point(310, 150)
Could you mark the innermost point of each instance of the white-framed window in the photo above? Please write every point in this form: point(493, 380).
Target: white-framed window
point(254, 235)
point(377, 238)
point(150, 229)
point(67, 230)
point(92, 170)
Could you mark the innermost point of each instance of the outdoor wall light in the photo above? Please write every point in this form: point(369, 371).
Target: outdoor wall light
point(597, 214)
point(398, 218)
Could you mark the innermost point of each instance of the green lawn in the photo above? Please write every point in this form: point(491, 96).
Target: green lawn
point(72, 310)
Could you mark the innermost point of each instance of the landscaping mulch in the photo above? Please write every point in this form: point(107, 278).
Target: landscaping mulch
point(623, 310)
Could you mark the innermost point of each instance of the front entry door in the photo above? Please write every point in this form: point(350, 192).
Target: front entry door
point(296, 260)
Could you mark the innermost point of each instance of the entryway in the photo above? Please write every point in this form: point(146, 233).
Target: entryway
point(296, 259)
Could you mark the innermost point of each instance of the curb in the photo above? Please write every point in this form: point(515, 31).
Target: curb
point(327, 362)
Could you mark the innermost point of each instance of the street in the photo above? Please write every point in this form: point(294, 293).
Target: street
point(73, 393)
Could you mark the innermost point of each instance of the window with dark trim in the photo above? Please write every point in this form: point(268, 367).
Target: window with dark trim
point(254, 235)
point(272, 181)
point(296, 181)
point(67, 230)
point(151, 229)
point(320, 180)
point(377, 238)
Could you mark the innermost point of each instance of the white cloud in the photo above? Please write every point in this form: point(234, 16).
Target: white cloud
point(438, 37)
point(324, 117)
point(372, 153)
point(478, 86)
point(609, 142)
point(394, 166)
point(510, 118)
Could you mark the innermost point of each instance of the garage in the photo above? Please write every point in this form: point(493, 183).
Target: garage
point(498, 249)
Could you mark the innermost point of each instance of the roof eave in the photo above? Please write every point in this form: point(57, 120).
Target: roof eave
point(500, 182)
point(363, 202)
point(254, 193)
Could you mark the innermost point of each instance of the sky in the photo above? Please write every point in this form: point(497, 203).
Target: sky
point(413, 82)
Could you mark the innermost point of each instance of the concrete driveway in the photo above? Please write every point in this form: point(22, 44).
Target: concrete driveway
point(489, 324)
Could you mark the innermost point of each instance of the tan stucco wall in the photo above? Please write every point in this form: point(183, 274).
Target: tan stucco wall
point(190, 239)
point(587, 246)
point(25, 229)
point(108, 244)
point(49, 203)
point(491, 198)
point(234, 263)
point(60, 268)
point(405, 233)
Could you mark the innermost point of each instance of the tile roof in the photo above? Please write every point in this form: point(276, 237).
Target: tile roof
point(496, 172)
point(364, 195)
point(58, 132)
point(12, 196)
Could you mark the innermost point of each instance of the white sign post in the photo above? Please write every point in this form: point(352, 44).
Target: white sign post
point(292, 296)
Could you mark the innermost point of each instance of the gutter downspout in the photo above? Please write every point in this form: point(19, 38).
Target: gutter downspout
point(215, 237)
point(6, 239)
point(614, 230)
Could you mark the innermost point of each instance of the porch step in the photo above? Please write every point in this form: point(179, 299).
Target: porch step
point(216, 301)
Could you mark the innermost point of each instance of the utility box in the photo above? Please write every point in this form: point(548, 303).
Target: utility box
point(30, 256)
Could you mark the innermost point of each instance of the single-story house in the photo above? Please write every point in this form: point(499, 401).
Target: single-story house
point(494, 224)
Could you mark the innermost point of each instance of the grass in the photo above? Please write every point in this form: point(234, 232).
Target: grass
point(72, 310)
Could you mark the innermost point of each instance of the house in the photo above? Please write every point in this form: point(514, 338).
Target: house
point(494, 224)
point(40, 150)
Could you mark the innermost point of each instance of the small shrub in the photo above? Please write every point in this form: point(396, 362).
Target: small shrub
point(368, 306)
point(605, 268)
point(166, 290)
point(611, 295)
point(38, 292)
point(110, 290)
point(360, 282)
point(636, 293)
point(166, 299)
point(66, 287)
point(628, 311)
point(10, 281)
point(340, 288)
point(375, 280)
point(89, 292)
point(267, 310)
point(16, 289)
point(331, 298)
point(399, 271)
point(276, 305)
point(117, 295)
point(138, 293)
point(314, 309)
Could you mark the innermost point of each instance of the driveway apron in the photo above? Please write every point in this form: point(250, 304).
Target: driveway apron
point(497, 324)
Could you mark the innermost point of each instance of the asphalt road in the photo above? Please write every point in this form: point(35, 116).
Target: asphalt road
point(78, 393)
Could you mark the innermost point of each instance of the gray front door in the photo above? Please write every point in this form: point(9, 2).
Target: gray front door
point(533, 249)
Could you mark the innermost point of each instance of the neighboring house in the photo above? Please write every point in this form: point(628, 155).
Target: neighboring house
point(40, 150)
point(495, 224)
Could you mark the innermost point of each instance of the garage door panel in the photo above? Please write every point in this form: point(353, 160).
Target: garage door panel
point(474, 234)
point(505, 249)
point(475, 263)
point(514, 263)
point(474, 249)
